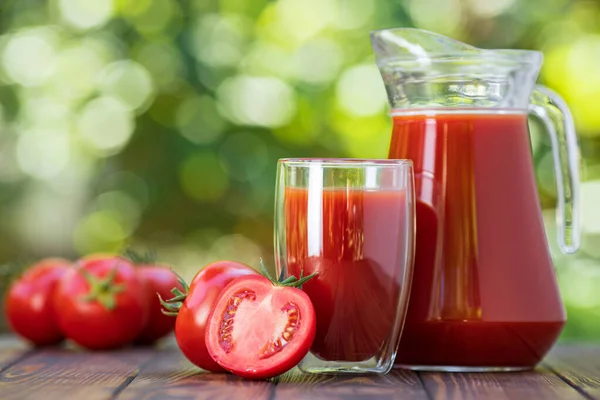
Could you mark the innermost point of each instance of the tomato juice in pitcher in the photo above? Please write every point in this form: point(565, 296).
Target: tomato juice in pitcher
point(484, 293)
point(492, 298)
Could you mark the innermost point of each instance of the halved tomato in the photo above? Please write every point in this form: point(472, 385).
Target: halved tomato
point(260, 328)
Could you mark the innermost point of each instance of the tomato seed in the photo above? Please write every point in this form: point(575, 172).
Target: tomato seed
point(226, 323)
point(274, 346)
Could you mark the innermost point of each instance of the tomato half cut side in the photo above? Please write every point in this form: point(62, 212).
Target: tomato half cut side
point(258, 330)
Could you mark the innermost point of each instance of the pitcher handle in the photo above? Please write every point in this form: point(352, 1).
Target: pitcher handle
point(552, 110)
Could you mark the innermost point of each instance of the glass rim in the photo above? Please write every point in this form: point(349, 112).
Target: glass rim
point(508, 56)
point(345, 162)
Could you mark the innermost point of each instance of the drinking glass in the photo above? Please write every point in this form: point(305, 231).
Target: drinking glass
point(352, 222)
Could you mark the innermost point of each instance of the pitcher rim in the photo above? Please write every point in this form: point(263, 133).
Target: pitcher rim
point(514, 55)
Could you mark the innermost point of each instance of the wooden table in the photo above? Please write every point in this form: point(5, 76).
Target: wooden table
point(569, 372)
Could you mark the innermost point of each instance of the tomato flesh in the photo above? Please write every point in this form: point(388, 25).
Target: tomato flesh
point(258, 330)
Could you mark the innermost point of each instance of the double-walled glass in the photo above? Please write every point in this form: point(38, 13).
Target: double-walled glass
point(352, 222)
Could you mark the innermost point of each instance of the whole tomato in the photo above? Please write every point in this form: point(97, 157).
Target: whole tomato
point(157, 279)
point(198, 301)
point(28, 303)
point(100, 304)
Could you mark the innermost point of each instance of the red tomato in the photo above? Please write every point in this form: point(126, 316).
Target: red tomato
point(193, 314)
point(100, 303)
point(157, 280)
point(259, 330)
point(28, 302)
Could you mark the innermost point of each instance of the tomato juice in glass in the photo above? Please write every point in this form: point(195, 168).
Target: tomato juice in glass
point(356, 232)
point(484, 291)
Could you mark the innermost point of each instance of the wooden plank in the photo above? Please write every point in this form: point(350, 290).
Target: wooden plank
point(8, 357)
point(578, 365)
point(169, 376)
point(11, 351)
point(58, 374)
point(398, 384)
point(541, 383)
point(570, 372)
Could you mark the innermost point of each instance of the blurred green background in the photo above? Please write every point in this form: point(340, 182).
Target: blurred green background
point(158, 123)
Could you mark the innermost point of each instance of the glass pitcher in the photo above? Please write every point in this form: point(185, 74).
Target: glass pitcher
point(484, 294)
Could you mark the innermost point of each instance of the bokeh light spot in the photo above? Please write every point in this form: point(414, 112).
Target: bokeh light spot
point(545, 174)
point(235, 247)
point(43, 153)
point(198, 120)
point(43, 219)
point(260, 101)
point(10, 170)
point(45, 112)
point(99, 231)
point(74, 178)
point(219, 40)
point(360, 91)
point(162, 60)
point(300, 20)
point(127, 81)
point(571, 70)
point(304, 130)
point(353, 14)
point(266, 58)
point(105, 125)
point(86, 14)
point(123, 205)
point(441, 16)
point(490, 8)
point(580, 287)
point(318, 61)
point(244, 156)
point(77, 69)
point(131, 7)
point(24, 54)
point(127, 183)
point(202, 177)
point(156, 18)
point(363, 137)
point(590, 193)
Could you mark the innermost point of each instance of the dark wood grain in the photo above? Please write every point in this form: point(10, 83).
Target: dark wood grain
point(169, 376)
point(579, 366)
point(398, 384)
point(569, 372)
point(8, 357)
point(11, 351)
point(538, 384)
point(66, 374)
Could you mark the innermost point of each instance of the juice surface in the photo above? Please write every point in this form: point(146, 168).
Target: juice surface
point(484, 291)
point(356, 241)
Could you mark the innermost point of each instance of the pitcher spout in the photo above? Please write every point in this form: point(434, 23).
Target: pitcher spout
point(423, 69)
